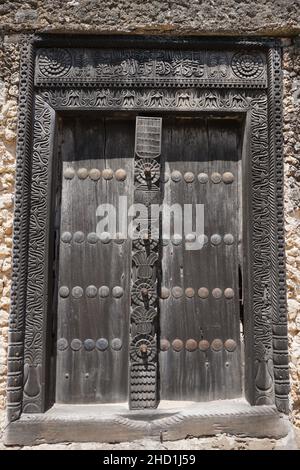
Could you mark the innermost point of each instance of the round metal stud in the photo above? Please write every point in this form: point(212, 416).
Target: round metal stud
point(117, 292)
point(203, 292)
point(116, 344)
point(216, 178)
point(176, 239)
point(76, 344)
point(230, 345)
point(91, 291)
point(164, 345)
point(78, 237)
point(102, 344)
point(82, 173)
point(77, 292)
point(227, 177)
point(164, 293)
point(66, 237)
point(190, 237)
point(62, 344)
point(89, 344)
point(203, 345)
point(104, 291)
point(217, 344)
point(228, 239)
point(120, 175)
point(189, 292)
point(92, 238)
point(120, 238)
point(203, 239)
point(176, 176)
point(105, 237)
point(217, 293)
point(107, 174)
point(177, 292)
point(64, 292)
point(94, 174)
point(191, 345)
point(165, 241)
point(215, 239)
point(69, 173)
point(203, 178)
point(189, 177)
point(229, 293)
point(177, 345)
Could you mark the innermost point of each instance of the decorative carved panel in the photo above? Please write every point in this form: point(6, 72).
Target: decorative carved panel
point(237, 77)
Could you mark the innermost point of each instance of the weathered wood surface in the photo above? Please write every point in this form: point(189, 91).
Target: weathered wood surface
point(202, 146)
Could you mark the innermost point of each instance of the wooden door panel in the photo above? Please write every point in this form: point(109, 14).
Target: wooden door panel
point(188, 372)
point(94, 275)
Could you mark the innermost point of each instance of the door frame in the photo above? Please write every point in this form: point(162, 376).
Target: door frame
point(233, 76)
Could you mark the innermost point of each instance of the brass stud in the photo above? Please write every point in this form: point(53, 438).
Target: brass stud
point(216, 178)
point(189, 177)
point(190, 237)
point(89, 344)
point(107, 174)
point(64, 292)
point(176, 239)
point(102, 344)
point(94, 174)
point(189, 292)
point(177, 292)
point(78, 237)
point(217, 345)
point(82, 173)
point(203, 292)
point(92, 238)
point(116, 344)
point(66, 237)
point(164, 293)
point(215, 239)
point(203, 345)
point(217, 293)
point(117, 292)
point(164, 345)
point(229, 293)
point(69, 173)
point(105, 237)
point(177, 345)
point(77, 292)
point(76, 344)
point(230, 345)
point(227, 177)
point(176, 176)
point(203, 178)
point(191, 345)
point(228, 239)
point(62, 344)
point(104, 291)
point(120, 174)
point(91, 291)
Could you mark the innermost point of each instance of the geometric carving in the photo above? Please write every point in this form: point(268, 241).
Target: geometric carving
point(54, 62)
point(247, 65)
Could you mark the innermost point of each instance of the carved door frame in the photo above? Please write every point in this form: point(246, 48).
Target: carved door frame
point(187, 74)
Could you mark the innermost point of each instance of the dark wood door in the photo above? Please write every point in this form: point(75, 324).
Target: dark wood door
point(200, 357)
point(94, 273)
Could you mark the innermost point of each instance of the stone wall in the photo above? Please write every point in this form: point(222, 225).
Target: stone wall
point(274, 17)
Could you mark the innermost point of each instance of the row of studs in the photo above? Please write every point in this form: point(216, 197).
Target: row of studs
point(120, 175)
point(89, 344)
point(117, 292)
point(192, 345)
point(95, 174)
point(177, 344)
point(105, 237)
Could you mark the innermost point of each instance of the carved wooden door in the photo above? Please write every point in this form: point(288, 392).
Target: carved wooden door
point(94, 271)
point(200, 356)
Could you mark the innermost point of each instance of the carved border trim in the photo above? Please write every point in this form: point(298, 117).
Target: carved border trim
point(20, 237)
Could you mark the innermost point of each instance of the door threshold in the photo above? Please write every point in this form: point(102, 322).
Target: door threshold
point(114, 423)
